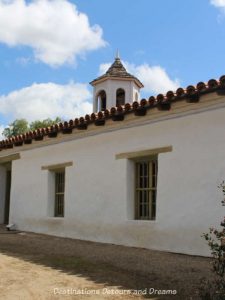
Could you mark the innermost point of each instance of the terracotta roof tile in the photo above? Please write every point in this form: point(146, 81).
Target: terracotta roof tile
point(162, 102)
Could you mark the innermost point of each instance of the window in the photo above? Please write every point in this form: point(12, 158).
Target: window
point(120, 97)
point(136, 96)
point(101, 101)
point(56, 188)
point(146, 189)
point(59, 193)
point(142, 172)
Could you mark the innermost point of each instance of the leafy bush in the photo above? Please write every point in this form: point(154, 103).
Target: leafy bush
point(215, 289)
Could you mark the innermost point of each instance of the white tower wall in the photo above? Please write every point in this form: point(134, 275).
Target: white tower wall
point(110, 87)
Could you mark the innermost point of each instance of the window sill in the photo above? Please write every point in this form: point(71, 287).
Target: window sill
point(142, 221)
point(55, 218)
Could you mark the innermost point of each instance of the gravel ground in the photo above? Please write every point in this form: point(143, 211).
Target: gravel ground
point(33, 265)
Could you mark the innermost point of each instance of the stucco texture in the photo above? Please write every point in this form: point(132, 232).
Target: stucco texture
point(99, 189)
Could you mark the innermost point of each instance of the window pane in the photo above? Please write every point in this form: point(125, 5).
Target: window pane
point(153, 212)
point(140, 202)
point(145, 169)
point(153, 181)
point(146, 204)
point(153, 168)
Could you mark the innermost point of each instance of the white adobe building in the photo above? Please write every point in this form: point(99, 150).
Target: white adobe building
point(144, 174)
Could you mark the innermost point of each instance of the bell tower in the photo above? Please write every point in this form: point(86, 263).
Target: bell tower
point(116, 87)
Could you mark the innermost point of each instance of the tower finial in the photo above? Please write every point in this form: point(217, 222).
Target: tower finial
point(117, 54)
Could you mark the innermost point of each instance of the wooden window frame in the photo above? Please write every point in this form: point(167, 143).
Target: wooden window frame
point(148, 193)
point(59, 193)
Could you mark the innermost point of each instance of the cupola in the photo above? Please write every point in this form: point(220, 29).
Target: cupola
point(116, 87)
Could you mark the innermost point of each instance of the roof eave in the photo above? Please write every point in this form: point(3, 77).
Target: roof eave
point(96, 81)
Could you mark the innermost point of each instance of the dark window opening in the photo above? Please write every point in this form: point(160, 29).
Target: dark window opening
point(120, 97)
point(7, 197)
point(101, 101)
point(59, 193)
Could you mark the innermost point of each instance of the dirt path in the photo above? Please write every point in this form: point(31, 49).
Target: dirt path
point(34, 266)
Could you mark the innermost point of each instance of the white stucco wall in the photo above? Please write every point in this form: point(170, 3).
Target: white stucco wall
point(99, 189)
point(110, 87)
point(2, 192)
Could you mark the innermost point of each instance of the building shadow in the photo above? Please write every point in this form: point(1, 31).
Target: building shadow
point(127, 268)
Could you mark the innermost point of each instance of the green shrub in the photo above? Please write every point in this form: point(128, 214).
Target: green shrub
point(215, 288)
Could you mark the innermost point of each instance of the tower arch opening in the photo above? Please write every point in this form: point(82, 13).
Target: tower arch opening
point(101, 100)
point(136, 96)
point(120, 97)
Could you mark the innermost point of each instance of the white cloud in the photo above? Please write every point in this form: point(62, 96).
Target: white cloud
point(154, 78)
point(218, 3)
point(23, 61)
point(103, 68)
point(55, 30)
point(47, 100)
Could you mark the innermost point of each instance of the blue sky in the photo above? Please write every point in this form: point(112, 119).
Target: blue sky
point(50, 50)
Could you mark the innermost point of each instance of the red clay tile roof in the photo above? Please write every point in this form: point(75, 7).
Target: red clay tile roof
point(162, 102)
